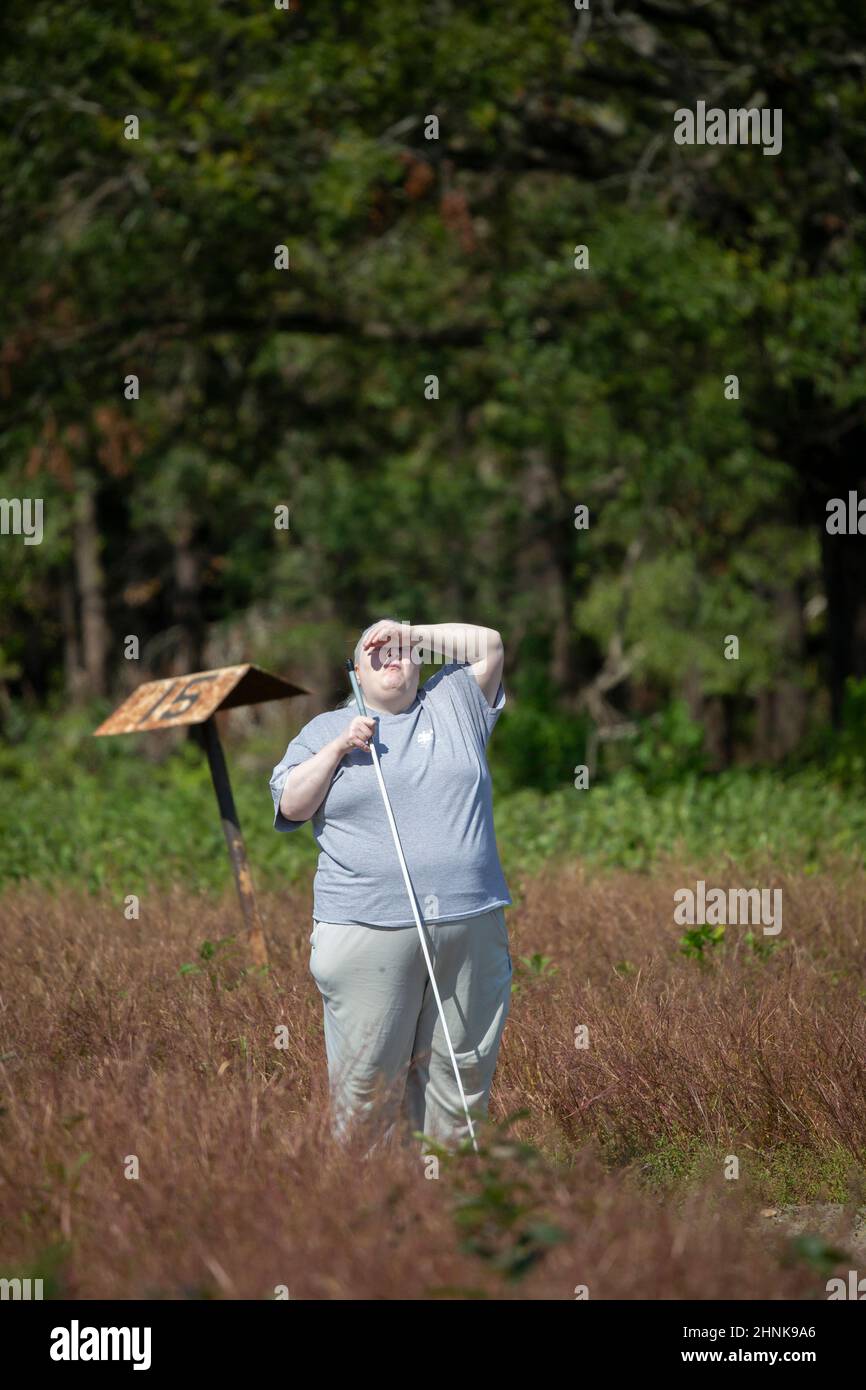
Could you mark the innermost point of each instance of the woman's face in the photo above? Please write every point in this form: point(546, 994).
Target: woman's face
point(387, 672)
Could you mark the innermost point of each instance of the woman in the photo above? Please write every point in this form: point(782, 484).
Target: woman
point(383, 1034)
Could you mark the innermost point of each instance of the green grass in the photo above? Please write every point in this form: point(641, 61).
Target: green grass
point(781, 1175)
point(98, 812)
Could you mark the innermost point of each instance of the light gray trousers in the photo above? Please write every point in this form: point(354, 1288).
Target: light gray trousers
point(388, 1059)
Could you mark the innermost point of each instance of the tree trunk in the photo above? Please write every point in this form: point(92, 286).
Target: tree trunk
point(188, 616)
point(544, 564)
point(829, 471)
point(844, 564)
point(91, 588)
point(72, 672)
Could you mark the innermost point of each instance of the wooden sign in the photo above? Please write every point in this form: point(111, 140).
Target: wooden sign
point(194, 700)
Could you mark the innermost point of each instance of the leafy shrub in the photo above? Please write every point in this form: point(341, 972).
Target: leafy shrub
point(842, 751)
point(100, 812)
point(534, 748)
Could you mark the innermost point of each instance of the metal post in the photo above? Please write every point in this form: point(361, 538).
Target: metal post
point(234, 840)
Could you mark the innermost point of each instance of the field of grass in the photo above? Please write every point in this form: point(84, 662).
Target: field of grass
point(602, 1166)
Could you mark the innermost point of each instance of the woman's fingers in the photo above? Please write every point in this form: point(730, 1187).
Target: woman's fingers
point(385, 632)
point(361, 731)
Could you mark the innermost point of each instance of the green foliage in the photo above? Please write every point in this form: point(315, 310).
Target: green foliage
point(798, 821)
point(672, 1160)
point(532, 970)
point(796, 1173)
point(539, 966)
point(225, 965)
point(699, 941)
point(101, 814)
point(558, 387)
point(762, 947)
point(670, 746)
point(783, 1174)
point(49, 1265)
point(262, 127)
point(496, 1208)
point(842, 751)
point(817, 1252)
point(536, 748)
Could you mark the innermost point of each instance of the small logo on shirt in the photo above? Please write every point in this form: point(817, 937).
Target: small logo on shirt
point(425, 737)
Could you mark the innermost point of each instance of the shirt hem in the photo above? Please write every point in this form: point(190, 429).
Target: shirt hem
point(410, 922)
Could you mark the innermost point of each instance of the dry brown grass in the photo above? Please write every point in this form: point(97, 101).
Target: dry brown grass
point(108, 1051)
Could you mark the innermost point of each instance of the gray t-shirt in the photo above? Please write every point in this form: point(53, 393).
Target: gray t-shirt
point(434, 765)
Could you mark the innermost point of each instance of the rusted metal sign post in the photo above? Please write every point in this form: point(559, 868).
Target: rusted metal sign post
point(195, 700)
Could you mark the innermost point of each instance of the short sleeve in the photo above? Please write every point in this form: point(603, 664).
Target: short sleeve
point(455, 682)
point(297, 752)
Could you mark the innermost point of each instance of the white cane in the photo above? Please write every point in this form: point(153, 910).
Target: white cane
point(362, 709)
